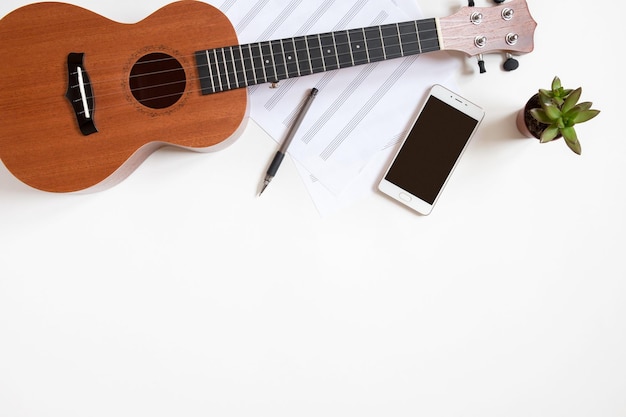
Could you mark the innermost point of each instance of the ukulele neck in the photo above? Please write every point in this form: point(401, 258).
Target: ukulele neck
point(227, 68)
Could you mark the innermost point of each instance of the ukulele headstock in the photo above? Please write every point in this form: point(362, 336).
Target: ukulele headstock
point(508, 28)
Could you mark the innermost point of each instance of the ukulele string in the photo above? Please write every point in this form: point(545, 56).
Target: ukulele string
point(297, 51)
point(229, 74)
point(460, 22)
point(258, 43)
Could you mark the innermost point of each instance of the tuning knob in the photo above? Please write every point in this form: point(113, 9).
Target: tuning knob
point(511, 63)
point(481, 64)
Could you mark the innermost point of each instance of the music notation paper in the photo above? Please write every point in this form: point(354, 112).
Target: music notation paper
point(360, 113)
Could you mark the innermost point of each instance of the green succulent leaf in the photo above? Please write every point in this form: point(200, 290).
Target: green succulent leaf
point(580, 107)
point(571, 100)
point(545, 93)
point(569, 133)
point(549, 134)
point(545, 97)
point(540, 116)
point(552, 112)
point(571, 139)
point(556, 83)
point(585, 115)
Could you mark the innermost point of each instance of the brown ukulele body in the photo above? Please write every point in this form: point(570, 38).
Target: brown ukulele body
point(40, 139)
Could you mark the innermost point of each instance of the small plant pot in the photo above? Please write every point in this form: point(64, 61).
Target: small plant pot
point(526, 123)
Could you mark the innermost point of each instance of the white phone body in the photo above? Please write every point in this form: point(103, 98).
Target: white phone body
point(438, 136)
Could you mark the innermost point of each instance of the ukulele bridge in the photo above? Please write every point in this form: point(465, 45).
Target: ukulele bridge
point(80, 94)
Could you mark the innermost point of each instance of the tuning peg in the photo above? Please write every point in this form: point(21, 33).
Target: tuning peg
point(471, 3)
point(481, 64)
point(511, 63)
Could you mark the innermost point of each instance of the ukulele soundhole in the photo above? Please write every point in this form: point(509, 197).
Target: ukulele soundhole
point(157, 80)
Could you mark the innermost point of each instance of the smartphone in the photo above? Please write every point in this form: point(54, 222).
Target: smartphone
point(429, 152)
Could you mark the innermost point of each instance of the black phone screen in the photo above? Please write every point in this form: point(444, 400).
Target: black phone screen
point(431, 149)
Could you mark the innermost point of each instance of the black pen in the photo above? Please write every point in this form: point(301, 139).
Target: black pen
point(280, 154)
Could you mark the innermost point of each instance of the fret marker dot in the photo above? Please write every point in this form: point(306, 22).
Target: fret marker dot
point(358, 47)
point(267, 61)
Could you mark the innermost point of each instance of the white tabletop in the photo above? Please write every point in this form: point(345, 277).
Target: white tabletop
point(180, 292)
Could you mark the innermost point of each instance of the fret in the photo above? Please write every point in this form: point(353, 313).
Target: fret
point(400, 40)
point(240, 72)
point(231, 74)
point(222, 80)
point(248, 64)
point(215, 75)
point(391, 41)
point(221, 68)
point(257, 63)
point(408, 38)
point(279, 59)
point(291, 59)
point(268, 62)
point(304, 62)
point(374, 44)
point(315, 53)
point(382, 41)
point(329, 52)
point(429, 40)
point(358, 48)
point(342, 46)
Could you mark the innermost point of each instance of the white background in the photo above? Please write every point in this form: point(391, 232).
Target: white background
point(179, 292)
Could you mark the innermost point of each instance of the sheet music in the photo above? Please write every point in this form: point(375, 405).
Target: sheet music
point(359, 111)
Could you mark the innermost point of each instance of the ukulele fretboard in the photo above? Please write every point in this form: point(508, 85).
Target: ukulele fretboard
point(241, 66)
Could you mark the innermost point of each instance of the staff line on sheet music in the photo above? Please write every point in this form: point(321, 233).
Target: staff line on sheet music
point(279, 21)
point(346, 94)
point(304, 29)
point(397, 74)
point(343, 97)
point(342, 24)
point(250, 16)
point(227, 5)
point(338, 103)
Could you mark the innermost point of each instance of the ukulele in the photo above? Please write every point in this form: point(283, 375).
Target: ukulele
point(84, 100)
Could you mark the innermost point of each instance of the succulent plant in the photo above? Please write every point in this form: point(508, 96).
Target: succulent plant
point(560, 110)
